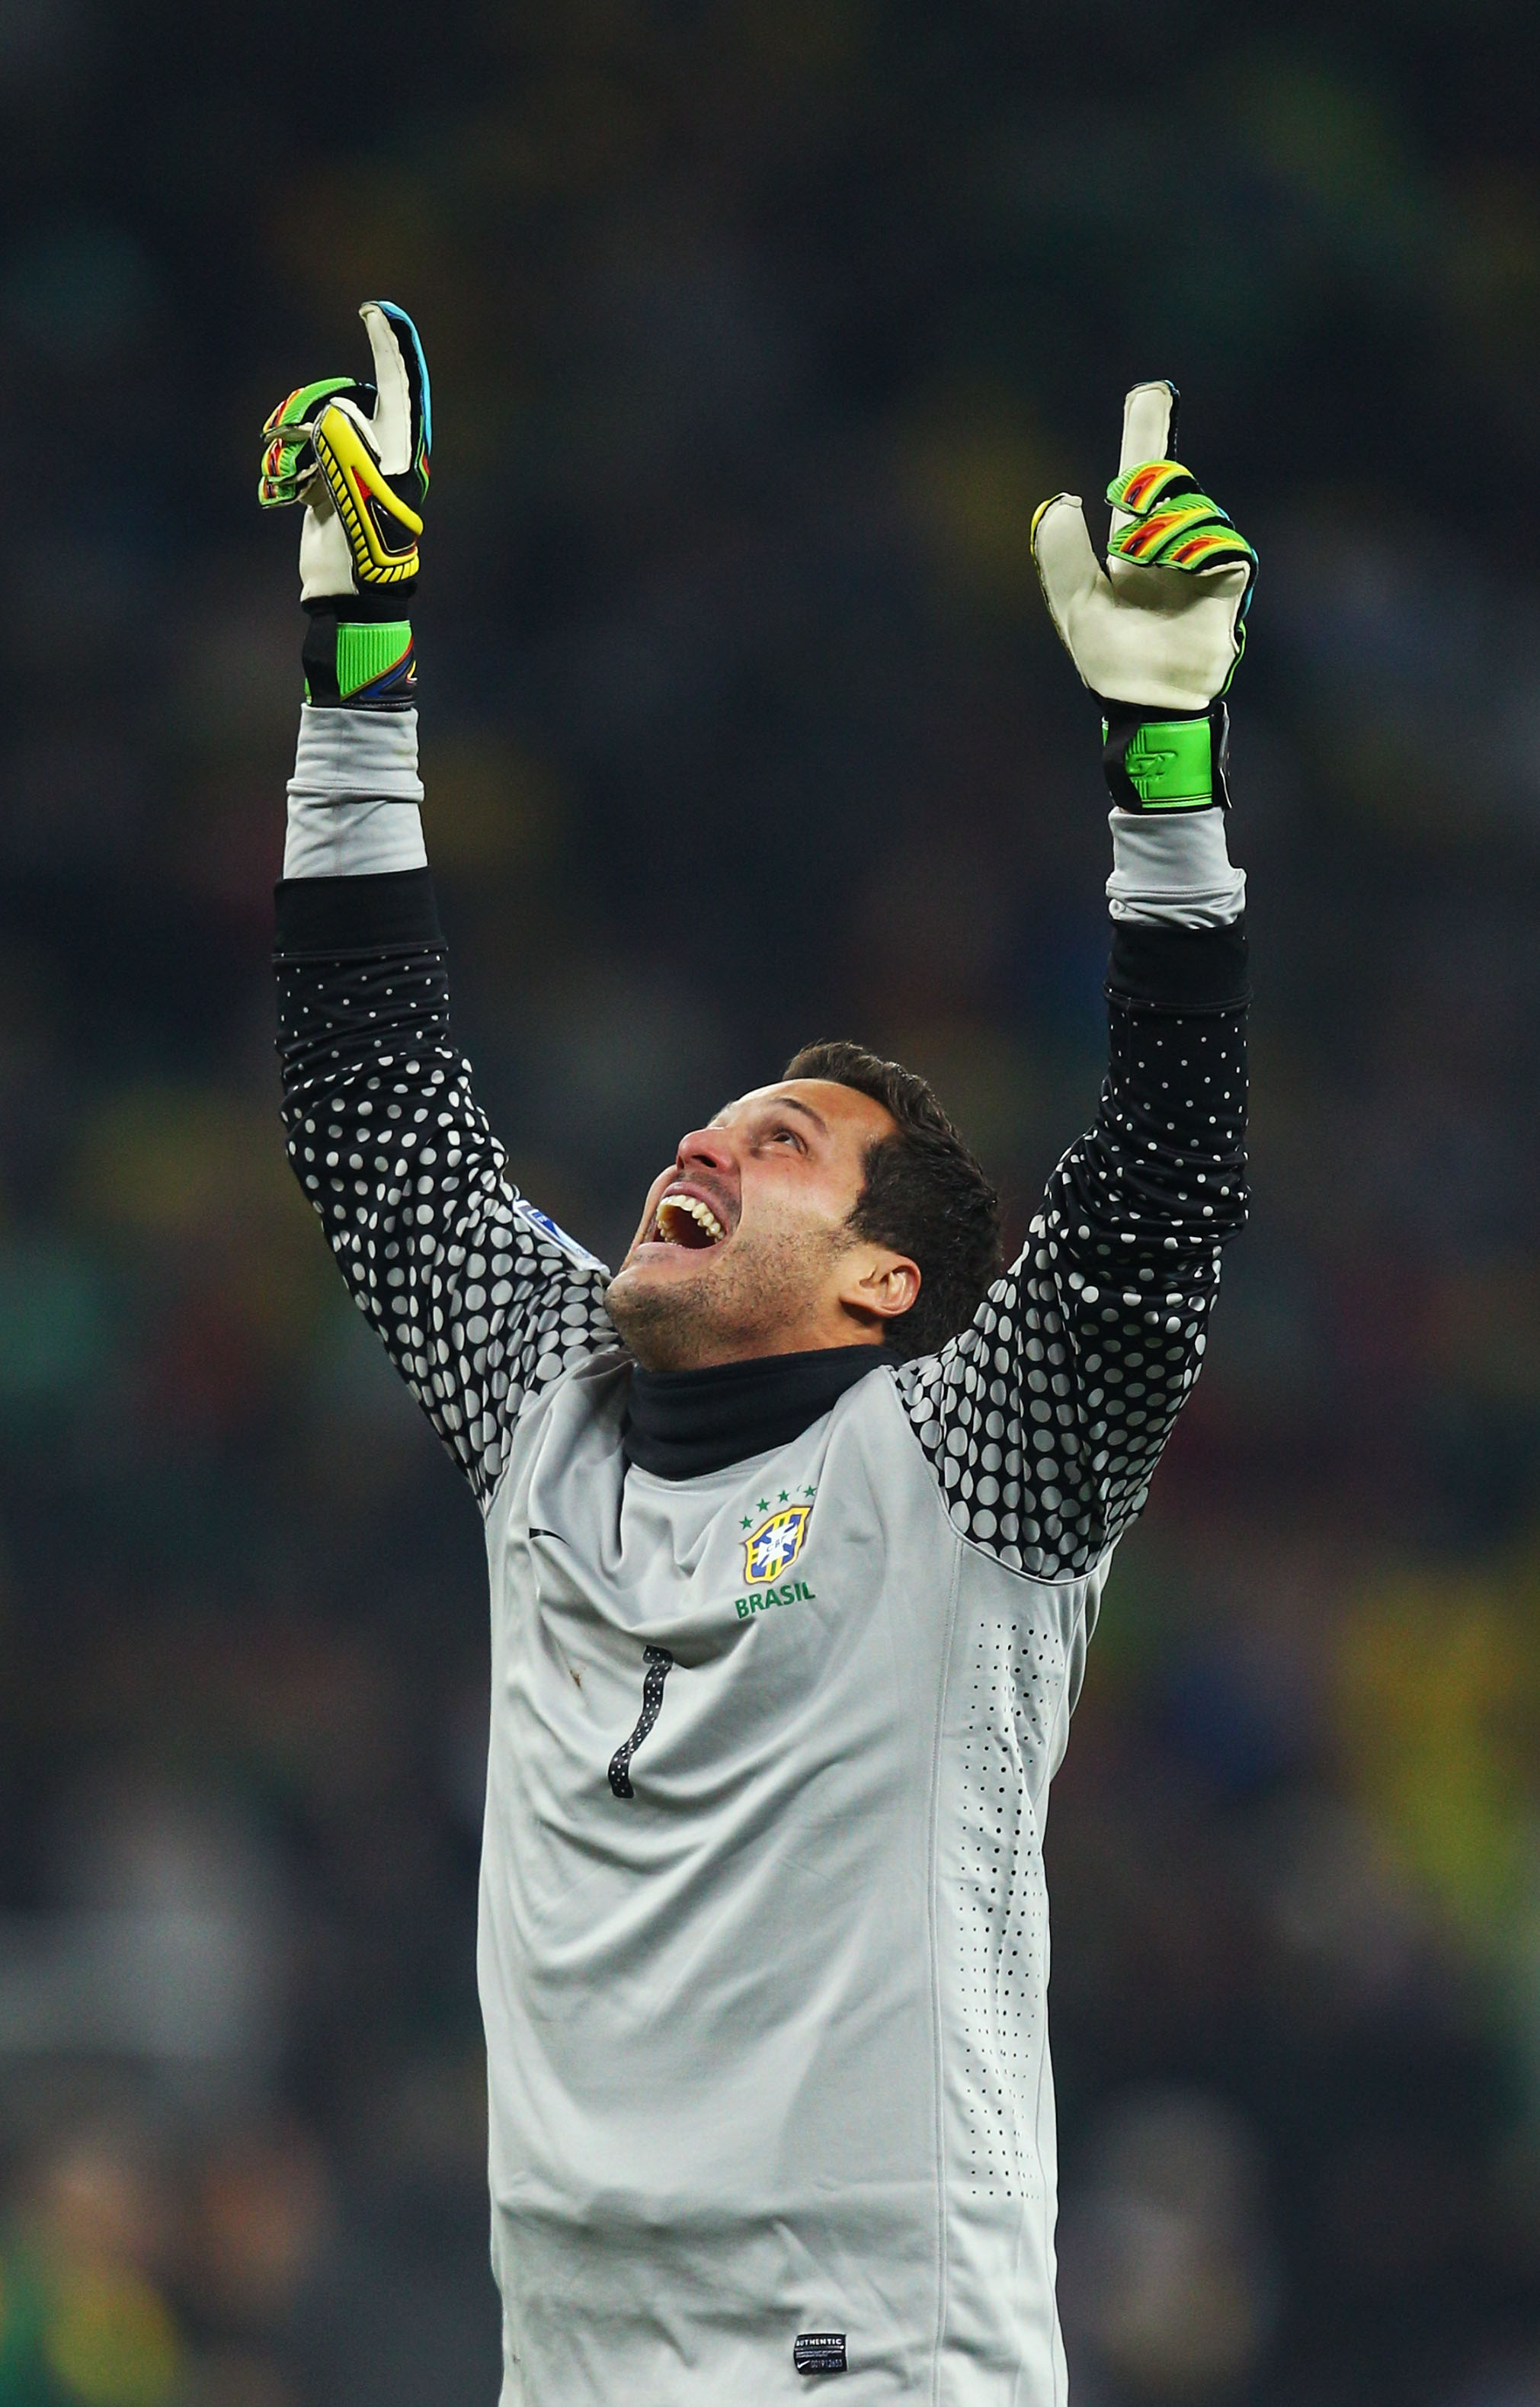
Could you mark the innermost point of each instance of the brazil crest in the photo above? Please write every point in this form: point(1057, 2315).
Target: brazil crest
point(774, 1544)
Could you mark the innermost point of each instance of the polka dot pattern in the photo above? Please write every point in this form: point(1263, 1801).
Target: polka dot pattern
point(1045, 1420)
point(480, 1309)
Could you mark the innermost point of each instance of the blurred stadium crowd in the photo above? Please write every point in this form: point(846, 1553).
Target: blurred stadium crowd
point(757, 329)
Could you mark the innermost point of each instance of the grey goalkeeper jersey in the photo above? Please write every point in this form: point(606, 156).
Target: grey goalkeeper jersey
point(763, 1937)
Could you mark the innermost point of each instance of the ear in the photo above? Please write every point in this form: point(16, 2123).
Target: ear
point(879, 1286)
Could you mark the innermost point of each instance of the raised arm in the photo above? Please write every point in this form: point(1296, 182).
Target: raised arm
point(1046, 1419)
point(479, 1298)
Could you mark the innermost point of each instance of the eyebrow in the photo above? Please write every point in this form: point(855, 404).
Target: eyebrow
point(795, 1103)
point(780, 1102)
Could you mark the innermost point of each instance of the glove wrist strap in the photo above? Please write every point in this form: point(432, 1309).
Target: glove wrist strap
point(395, 602)
point(1166, 760)
point(358, 664)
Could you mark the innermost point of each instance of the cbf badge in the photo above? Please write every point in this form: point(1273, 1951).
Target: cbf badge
point(775, 1544)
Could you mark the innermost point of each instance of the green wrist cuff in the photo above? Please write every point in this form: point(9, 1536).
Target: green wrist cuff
point(1165, 764)
point(371, 656)
point(363, 662)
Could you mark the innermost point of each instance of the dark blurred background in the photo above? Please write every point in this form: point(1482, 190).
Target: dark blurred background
point(758, 327)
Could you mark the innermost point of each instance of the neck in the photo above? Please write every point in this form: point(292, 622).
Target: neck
point(682, 1424)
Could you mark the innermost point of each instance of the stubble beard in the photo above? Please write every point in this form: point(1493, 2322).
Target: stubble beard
point(740, 1303)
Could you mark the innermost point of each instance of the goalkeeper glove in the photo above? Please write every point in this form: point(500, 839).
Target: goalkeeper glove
point(1156, 635)
point(356, 457)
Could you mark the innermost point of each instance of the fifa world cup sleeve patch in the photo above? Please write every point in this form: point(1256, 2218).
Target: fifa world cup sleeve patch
point(568, 1246)
point(819, 2352)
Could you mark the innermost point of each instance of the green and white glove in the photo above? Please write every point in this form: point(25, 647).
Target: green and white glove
point(356, 457)
point(1157, 633)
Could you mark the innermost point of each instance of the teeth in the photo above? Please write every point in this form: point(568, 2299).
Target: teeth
point(701, 1214)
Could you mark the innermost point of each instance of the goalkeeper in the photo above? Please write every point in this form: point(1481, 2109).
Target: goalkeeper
point(797, 1524)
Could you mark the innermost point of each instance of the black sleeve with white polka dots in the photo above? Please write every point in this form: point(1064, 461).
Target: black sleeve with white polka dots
point(478, 1303)
point(1046, 1419)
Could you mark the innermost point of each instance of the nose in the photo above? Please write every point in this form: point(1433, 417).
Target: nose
point(705, 1149)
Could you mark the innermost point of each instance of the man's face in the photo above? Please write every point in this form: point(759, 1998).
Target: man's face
point(745, 1247)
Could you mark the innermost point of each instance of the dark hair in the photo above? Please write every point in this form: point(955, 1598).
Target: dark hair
point(924, 1195)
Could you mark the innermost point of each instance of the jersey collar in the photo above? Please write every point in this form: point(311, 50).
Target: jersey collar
point(681, 1424)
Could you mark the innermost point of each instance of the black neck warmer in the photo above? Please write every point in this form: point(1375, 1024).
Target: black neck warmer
point(681, 1424)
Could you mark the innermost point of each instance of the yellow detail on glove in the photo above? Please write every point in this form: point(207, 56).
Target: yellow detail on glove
point(382, 531)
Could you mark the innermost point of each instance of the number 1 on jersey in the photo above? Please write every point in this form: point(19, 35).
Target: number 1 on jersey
point(659, 1664)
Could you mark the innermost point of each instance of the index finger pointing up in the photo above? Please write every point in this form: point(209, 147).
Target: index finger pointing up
point(1149, 424)
point(392, 419)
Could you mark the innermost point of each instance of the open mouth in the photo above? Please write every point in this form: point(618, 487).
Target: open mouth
point(686, 1220)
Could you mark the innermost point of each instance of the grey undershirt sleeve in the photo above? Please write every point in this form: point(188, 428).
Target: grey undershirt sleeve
point(353, 812)
point(1173, 873)
point(353, 798)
